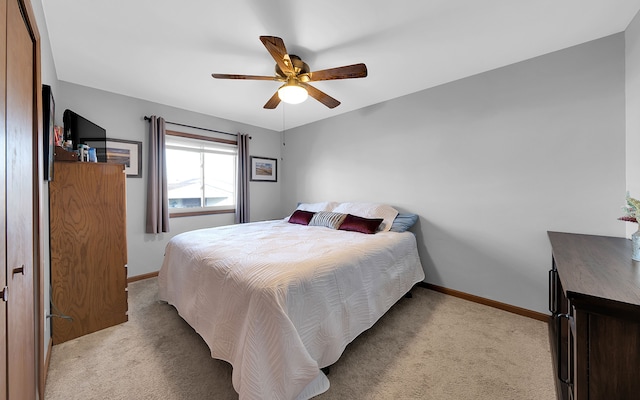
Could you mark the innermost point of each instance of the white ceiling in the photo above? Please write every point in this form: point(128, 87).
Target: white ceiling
point(164, 51)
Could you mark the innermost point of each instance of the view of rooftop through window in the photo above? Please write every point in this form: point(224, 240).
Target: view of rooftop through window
point(200, 174)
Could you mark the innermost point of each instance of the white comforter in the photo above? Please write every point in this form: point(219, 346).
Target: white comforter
point(279, 301)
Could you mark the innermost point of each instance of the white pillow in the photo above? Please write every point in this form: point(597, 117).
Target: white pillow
point(370, 210)
point(315, 207)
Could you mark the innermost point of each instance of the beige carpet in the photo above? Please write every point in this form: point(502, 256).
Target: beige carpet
point(431, 346)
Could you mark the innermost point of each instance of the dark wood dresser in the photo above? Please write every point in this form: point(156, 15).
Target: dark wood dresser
point(594, 298)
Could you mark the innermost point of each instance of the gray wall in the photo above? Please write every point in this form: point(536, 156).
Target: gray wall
point(490, 163)
point(49, 77)
point(632, 70)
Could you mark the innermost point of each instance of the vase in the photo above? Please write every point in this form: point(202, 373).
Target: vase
point(635, 245)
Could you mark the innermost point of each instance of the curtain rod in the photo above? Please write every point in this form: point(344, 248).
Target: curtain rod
point(194, 127)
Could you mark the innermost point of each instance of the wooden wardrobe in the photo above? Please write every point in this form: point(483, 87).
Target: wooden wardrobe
point(87, 212)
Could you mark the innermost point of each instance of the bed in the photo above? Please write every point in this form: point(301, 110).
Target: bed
point(280, 300)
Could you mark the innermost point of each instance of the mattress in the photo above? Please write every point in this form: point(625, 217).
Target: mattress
point(280, 301)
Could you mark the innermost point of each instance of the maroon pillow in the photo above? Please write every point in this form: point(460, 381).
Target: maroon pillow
point(359, 224)
point(301, 217)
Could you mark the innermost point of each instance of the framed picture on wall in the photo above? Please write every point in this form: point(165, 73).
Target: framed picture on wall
point(264, 169)
point(120, 151)
point(48, 111)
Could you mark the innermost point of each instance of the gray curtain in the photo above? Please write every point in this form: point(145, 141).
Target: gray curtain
point(244, 171)
point(157, 199)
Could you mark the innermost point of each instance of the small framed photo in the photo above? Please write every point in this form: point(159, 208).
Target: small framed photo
point(264, 169)
point(119, 151)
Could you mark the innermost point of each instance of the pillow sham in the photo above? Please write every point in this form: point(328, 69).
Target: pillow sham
point(354, 223)
point(370, 210)
point(327, 219)
point(403, 222)
point(301, 217)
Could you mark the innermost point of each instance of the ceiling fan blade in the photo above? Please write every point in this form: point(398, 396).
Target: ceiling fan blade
point(275, 47)
point(321, 96)
point(346, 72)
point(251, 77)
point(272, 102)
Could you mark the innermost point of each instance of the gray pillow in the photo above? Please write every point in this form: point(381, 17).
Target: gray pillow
point(327, 219)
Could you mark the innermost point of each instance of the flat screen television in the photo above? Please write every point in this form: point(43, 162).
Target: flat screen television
point(79, 129)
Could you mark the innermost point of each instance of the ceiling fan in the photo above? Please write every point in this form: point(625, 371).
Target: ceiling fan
point(296, 75)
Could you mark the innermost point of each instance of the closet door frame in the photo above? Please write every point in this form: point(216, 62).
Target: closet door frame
point(35, 389)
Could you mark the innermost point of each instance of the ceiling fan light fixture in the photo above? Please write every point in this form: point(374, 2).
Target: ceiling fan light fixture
point(292, 93)
point(297, 75)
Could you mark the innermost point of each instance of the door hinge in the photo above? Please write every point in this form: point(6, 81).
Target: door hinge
point(4, 294)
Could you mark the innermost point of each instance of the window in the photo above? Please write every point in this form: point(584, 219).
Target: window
point(201, 174)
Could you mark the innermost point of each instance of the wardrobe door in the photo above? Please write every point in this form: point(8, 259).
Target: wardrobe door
point(3, 226)
point(21, 132)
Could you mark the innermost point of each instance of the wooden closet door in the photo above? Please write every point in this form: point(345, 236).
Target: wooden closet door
point(21, 132)
point(3, 194)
